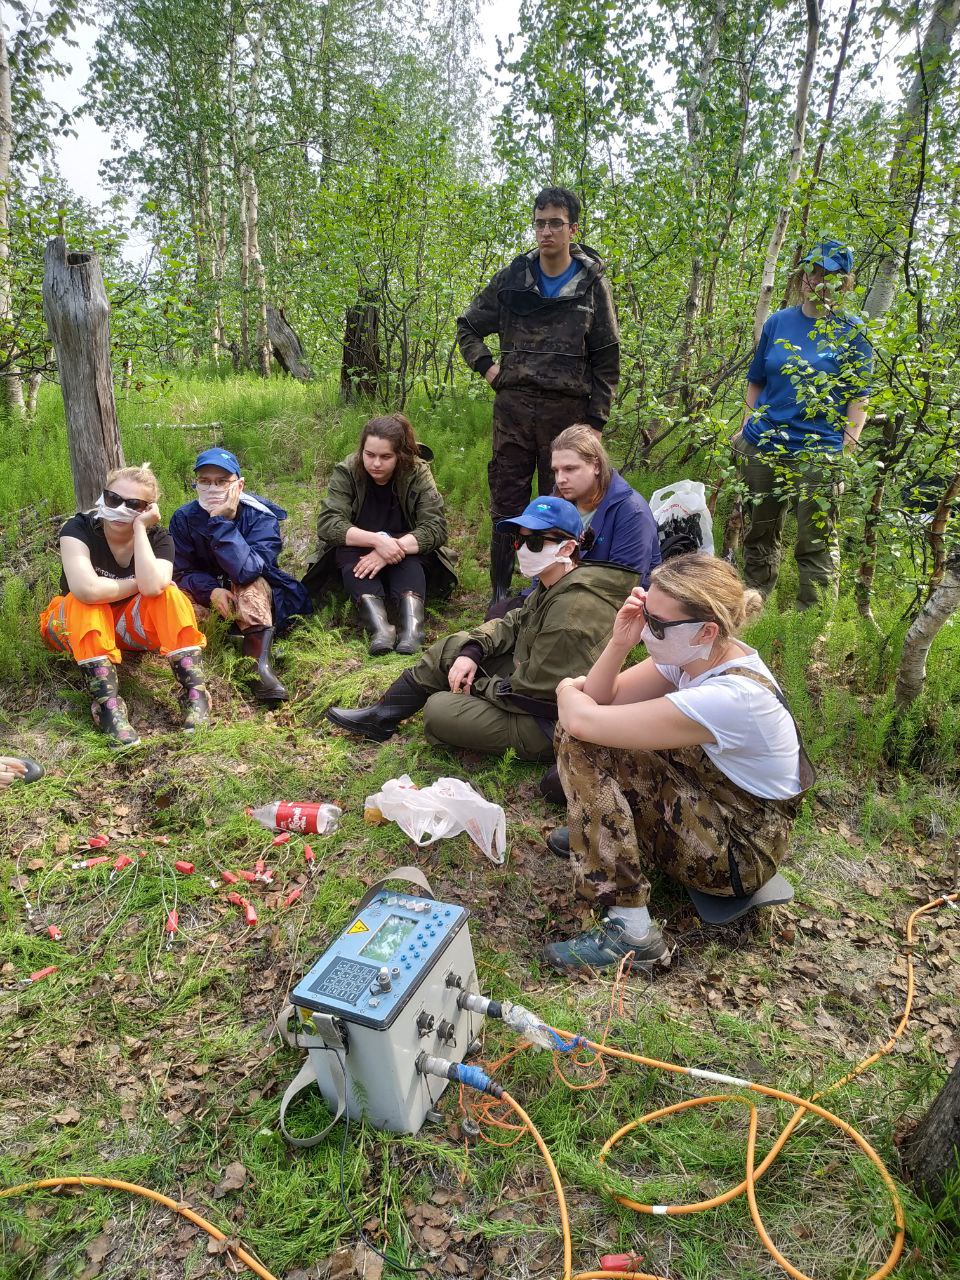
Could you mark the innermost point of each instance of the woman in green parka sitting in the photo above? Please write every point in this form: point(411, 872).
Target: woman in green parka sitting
point(382, 528)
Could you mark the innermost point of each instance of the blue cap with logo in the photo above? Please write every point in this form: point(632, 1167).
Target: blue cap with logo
point(831, 255)
point(218, 458)
point(547, 513)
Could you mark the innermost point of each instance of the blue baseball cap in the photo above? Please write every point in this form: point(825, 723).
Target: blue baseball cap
point(547, 513)
point(832, 256)
point(218, 458)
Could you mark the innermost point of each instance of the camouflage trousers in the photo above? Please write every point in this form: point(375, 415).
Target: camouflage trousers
point(633, 813)
point(525, 424)
point(812, 488)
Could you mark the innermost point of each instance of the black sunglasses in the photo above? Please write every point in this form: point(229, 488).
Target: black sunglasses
point(535, 541)
point(113, 500)
point(658, 626)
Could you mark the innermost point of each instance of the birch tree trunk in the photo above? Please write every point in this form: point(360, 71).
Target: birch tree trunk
point(254, 259)
point(825, 132)
point(695, 134)
point(793, 171)
point(924, 630)
point(77, 312)
point(934, 57)
point(11, 388)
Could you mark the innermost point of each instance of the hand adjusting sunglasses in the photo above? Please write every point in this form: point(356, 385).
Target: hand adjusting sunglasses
point(658, 626)
point(535, 541)
point(113, 500)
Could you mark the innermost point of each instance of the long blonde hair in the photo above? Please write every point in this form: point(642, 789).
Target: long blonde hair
point(582, 440)
point(710, 588)
point(142, 475)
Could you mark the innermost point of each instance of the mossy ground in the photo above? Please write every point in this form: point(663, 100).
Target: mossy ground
point(157, 1065)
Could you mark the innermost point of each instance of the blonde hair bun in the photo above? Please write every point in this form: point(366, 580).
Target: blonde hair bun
point(710, 588)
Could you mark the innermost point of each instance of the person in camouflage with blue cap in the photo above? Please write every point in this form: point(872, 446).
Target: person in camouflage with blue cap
point(493, 689)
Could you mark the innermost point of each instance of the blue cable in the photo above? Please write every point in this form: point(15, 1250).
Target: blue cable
point(475, 1078)
point(561, 1045)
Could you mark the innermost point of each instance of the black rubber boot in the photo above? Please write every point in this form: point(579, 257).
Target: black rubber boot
point(108, 708)
point(410, 638)
point(501, 565)
point(404, 698)
point(34, 771)
point(373, 615)
point(551, 787)
point(558, 842)
point(256, 645)
point(187, 667)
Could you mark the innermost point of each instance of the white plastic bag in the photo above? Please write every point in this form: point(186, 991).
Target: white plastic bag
point(445, 808)
point(674, 504)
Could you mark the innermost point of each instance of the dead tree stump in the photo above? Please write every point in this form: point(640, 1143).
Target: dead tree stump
point(931, 1153)
point(362, 369)
point(77, 312)
point(286, 346)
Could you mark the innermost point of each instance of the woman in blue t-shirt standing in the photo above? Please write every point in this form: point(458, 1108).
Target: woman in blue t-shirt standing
point(806, 402)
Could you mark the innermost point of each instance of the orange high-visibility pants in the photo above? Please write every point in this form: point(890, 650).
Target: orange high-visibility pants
point(163, 623)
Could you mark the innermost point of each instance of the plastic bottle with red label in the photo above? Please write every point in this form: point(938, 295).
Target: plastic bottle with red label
point(282, 815)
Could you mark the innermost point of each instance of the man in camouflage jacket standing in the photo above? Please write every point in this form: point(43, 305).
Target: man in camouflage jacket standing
point(553, 312)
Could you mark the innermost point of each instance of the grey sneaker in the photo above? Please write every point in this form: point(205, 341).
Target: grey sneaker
point(605, 946)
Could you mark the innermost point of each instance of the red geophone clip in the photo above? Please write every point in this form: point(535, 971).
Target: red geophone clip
point(249, 914)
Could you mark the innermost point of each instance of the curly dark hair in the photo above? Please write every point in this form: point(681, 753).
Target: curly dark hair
point(397, 430)
point(563, 197)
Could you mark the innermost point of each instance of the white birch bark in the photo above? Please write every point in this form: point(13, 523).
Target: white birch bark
point(927, 82)
point(11, 388)
point(695, 134)
point(923, 631)
point(793, 171)
point(254, 259)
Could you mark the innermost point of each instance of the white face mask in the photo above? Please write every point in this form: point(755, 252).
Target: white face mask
point(117, 515)
point(208, 497)
point(534, 563)
point(675, 649)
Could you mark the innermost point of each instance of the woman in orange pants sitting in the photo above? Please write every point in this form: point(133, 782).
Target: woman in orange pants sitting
point(118, 594)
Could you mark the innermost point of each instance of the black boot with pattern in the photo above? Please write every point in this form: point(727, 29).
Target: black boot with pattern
point(108, 708)
point(187, 667)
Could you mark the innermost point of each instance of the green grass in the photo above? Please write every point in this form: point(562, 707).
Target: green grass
point(166, 1055)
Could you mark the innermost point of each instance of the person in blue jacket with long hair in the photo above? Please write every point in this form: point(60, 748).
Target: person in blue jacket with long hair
point(227, 545)
point(619, 527)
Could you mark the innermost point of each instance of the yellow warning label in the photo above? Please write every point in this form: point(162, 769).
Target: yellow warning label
point(358, 927)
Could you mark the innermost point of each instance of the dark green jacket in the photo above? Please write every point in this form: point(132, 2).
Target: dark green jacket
point(423, 514)
point(568, 345)
point(559, 631)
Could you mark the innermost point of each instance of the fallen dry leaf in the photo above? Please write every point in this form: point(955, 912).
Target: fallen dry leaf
point(97, 1251)
point(367, 1264)
point(434, 1238)
point(70, 1115)
point(234, 1176)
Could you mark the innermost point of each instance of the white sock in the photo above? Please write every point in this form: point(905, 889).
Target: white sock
point(636, 921)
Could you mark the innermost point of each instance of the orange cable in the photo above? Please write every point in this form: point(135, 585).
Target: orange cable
point(803, 1108)
point(174, 1206)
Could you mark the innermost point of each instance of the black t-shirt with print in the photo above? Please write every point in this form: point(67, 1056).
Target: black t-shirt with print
point(89, 530)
